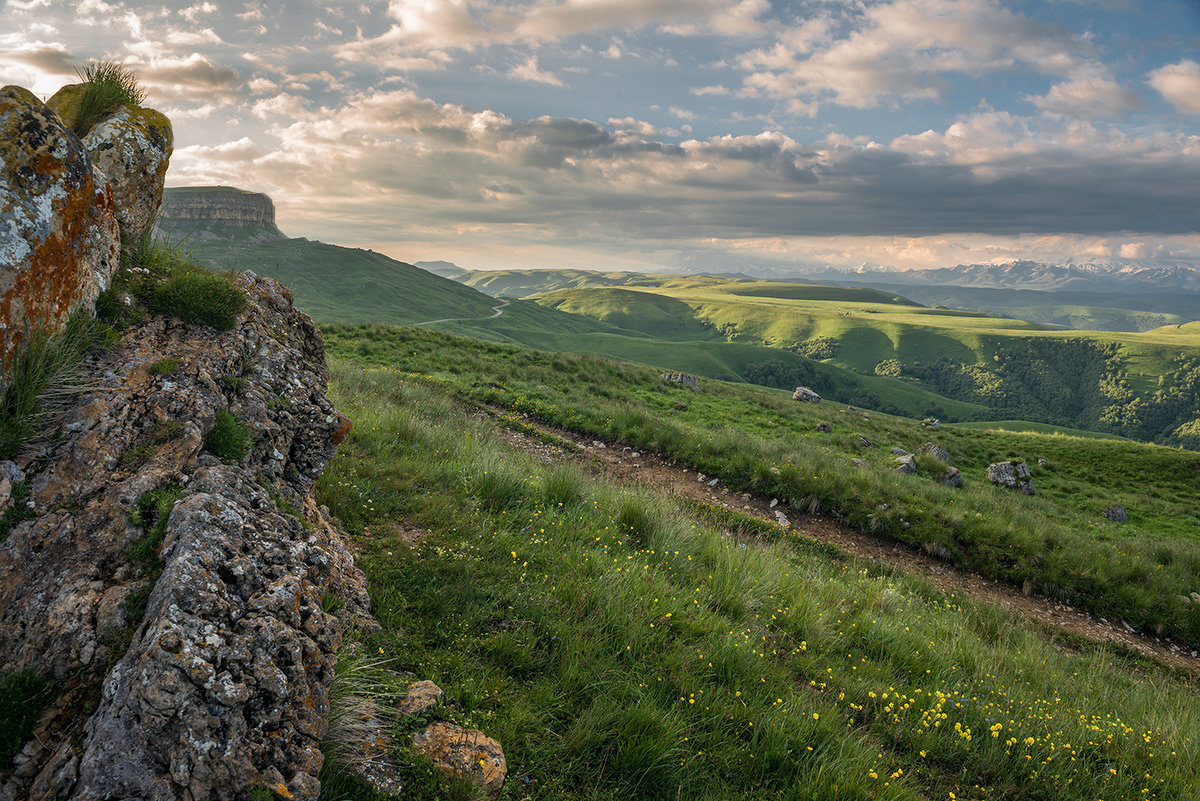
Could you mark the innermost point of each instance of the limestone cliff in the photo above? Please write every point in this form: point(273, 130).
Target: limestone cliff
point(218, 212)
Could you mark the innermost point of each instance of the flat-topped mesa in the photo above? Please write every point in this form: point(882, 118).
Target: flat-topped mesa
point(218, 212)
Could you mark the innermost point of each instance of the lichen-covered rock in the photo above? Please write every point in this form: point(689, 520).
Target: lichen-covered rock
point(421, 698)
point(805, 395)
point(1012, 475)
point(936, 451)
point(470, 754)
point(1116, 513)
point(133, 147)
point(906, 463)
point(224, 682)
point(952, 477)
point(59, 238)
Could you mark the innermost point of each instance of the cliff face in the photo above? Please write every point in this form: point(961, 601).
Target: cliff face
point(218, 212)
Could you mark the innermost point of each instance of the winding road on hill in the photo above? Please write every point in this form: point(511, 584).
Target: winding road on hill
point(626, 464)
point(496, 312)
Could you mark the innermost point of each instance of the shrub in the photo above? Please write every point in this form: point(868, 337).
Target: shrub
point(164, 366)
point(229, 437)
point(106, 87)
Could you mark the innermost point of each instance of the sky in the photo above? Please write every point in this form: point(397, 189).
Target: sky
point(718, 135)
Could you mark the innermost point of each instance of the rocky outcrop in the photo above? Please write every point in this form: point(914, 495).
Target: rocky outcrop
point(683, 379)
point(805, 395)
point(936, 451)
point(132, 146)
point(218, 212)
point(1117, 514)
point(59, 237)
point(1012, 475)
point(223, 685)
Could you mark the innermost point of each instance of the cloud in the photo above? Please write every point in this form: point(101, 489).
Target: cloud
point(1179, 84)
point(1088, 97)
point(701, 91)
point(192, 77)
point(529, 71)
point(904, 50)
point(424, 26)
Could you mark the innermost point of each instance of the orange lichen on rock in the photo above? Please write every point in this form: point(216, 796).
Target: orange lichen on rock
point(59, 240)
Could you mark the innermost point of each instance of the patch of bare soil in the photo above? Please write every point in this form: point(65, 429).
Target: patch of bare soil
point(626, 464)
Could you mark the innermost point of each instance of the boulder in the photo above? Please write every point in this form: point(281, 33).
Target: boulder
point(931, 422)
point(59, 237)
point(899, 452)
point(683, 379)
point(805, 395)
point(906, 464)
point(936, 451)
point(824, 427)
point(421, 698)
point(465, 753)
point(952, 477)
point(1116, 513)
point(1013, 475)
point(132, 148)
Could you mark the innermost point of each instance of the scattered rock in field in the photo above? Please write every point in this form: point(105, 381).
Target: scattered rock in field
point(774, 503)
point(1195, 596)
point(714, 482)
point(952, 477)
point(824, 427)
point(900, 452)
point(1041, 462)
point(598, 444)
point(683, 379)
point(805, 395)
point(679, 407)
point(931, 422)
point(1116, 513)
point(858, 462)
point(866, 443)
point(773, 471)
point(701, 477)
point(782, 519)
point(936, 451)
point(465, 753)
point(906, 464)
point(1013, 475)
point(420, 698)
point(635, 455)
point(850, 409)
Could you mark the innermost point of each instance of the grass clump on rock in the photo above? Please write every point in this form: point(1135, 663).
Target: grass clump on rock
point(164, 277)
point(106, 87)
point(229, 438)
point(23, 697)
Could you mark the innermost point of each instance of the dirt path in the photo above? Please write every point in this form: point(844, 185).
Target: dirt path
point(496, 312)
point(627, 464)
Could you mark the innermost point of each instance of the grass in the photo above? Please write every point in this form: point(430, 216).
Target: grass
point(622, 646)
point(1056, 543)
point(167, 279)
point(42, 378)
point(24, 695)
point(229, 438)
point(107, 86)
point(150, 513)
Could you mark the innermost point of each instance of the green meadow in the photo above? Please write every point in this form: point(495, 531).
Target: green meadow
point(624, 644)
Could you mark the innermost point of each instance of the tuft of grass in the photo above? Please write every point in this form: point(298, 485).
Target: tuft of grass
point(24, 695)
point(361, 709)
point(167, 365)
point(18, 511)
point(168, 280)
point(107, 86)
point(229, 438)
point(43, 378)
point(200, 297)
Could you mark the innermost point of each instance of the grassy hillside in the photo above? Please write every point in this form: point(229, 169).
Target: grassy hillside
point(622, 644)
point(1057, 541)
point(1145, 385)
point(523, 283)
point(348, 284)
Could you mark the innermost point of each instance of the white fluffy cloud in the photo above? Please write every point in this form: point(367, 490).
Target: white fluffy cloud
point(1179, 84)
point(905, 50)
